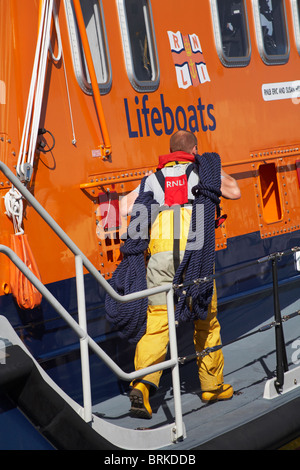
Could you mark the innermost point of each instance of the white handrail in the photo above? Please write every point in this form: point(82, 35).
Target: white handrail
point(84, 345)
point(82, 334)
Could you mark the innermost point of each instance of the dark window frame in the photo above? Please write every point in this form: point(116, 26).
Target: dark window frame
point(266, 56)
point(102, 54)
point(295, 6)
point(224, 40)
point(141, 85)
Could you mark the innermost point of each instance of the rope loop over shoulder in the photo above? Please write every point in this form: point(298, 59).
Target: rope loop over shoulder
point(130, 276)
point(193, 301)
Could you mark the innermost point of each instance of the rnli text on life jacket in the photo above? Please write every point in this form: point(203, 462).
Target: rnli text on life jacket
point(142, 120)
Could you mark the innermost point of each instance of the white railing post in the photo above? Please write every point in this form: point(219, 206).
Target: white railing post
point(84, 348)
point(178, 432)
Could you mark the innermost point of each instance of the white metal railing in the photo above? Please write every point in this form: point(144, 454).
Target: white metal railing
point(80, 328)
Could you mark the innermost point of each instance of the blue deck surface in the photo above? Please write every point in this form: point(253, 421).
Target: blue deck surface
point(249, 363)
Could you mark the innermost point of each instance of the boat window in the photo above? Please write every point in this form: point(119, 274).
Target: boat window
point(296, 20)
point(271, 201)
point(94, 22)
point(271, 31)
point(139, 44)
point(231, 32)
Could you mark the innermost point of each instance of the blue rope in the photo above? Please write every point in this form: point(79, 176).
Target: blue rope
point(200, 263)
point(130, 276)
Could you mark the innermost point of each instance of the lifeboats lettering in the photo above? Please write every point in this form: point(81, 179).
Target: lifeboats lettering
point(143, 120)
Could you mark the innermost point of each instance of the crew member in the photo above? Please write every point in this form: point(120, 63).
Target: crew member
point(177, 169)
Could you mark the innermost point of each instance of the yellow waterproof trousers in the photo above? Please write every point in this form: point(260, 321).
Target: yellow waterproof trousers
point(152, 347)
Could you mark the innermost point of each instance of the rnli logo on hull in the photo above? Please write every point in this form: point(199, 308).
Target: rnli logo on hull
point(188, 58)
